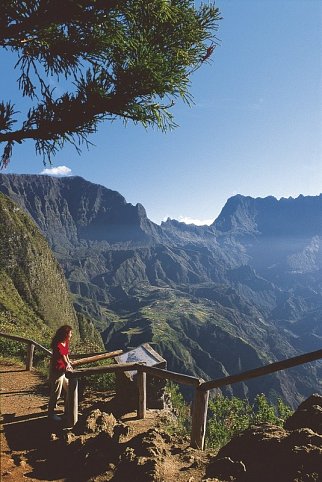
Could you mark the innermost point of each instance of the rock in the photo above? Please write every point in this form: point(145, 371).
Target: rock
point(99, 421)
point(92, 454)
point(210, 480)
point(304, 437)
point(69, 438)
point(139, 468)
point(315, 399)
point(308, 415)
point(175, 450)
point(196, 463)
point(271, 453)
point(188, 458)
point(150, 444)
point(166, 436)
point(128, 455)
point(225, 468)
point(120, 430)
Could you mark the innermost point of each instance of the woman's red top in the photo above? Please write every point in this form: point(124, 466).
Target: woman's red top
point(58, 363)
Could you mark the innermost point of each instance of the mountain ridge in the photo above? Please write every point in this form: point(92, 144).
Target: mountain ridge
point(179, 286)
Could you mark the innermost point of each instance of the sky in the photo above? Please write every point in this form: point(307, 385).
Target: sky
point(255, 128)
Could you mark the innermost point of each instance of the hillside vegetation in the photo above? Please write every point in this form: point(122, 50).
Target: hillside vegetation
point(34, 296)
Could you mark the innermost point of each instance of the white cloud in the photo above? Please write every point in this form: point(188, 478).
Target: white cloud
point(57, 171)
point(197, 222)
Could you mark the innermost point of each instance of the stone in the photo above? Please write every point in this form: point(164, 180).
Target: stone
point(120, 430)
point(69, 438)
point(314, 399)
point(306, 416)
point(99, 421)
point(271, 453)
point(225, 468)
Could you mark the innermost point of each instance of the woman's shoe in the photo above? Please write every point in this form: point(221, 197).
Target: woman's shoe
point(54, 418)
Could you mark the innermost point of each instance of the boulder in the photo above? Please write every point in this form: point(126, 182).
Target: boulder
point(308, 415)
point(225, 468)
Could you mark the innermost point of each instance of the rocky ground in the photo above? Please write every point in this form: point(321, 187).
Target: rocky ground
point(104, 447)
point(269, 453)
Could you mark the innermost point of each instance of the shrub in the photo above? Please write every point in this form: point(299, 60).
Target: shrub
point(181, 422)
point(228, 417)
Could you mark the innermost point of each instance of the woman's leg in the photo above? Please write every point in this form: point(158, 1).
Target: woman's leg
point(56, 386)
point(65, 388)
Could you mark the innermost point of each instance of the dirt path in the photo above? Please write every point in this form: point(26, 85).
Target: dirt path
point(27, 450)
point(24, 426)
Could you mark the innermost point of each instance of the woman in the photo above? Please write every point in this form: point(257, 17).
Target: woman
point(59, 364)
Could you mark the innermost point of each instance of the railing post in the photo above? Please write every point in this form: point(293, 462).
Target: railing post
point(30, 356)
point(141, 380)
point(71, 406)
point(199, 418)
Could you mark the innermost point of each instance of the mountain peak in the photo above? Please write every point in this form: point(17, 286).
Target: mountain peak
point(72, 209)
point(270, 216)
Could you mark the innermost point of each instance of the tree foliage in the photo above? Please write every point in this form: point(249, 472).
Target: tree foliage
point(129, 59)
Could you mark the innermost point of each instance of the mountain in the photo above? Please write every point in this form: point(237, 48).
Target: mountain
point(279, 237)
point(34, 295)
point(214, 300)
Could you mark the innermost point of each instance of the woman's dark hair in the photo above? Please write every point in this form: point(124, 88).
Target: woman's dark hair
point(60, 335)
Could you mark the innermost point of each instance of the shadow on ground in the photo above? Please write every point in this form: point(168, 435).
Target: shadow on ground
point(33, 436)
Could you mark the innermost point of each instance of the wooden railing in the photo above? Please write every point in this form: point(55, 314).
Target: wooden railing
point(78, 359)
point(31, 345)
point(142, 370)
point(201, 388)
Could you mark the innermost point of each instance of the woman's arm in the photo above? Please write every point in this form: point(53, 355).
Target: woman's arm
point(69, 365)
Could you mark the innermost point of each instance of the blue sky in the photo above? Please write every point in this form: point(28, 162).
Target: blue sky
point(255, 128)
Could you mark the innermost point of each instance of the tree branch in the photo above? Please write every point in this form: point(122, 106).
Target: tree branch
point(60, 12)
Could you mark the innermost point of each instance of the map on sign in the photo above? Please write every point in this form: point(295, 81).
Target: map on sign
point(140, 354)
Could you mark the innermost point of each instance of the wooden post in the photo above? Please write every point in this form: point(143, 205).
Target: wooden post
point(71, 407)
point(199, 418)
point(30, 356)
point(141, 380)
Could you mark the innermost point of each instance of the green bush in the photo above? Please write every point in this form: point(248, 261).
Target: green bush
point(103, 382)
point(229, 416)
point(226, 416)
point(181, 422)
point(12, 349)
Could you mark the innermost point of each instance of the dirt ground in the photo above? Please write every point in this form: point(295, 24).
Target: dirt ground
point(27, 438)
point(23, 417)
